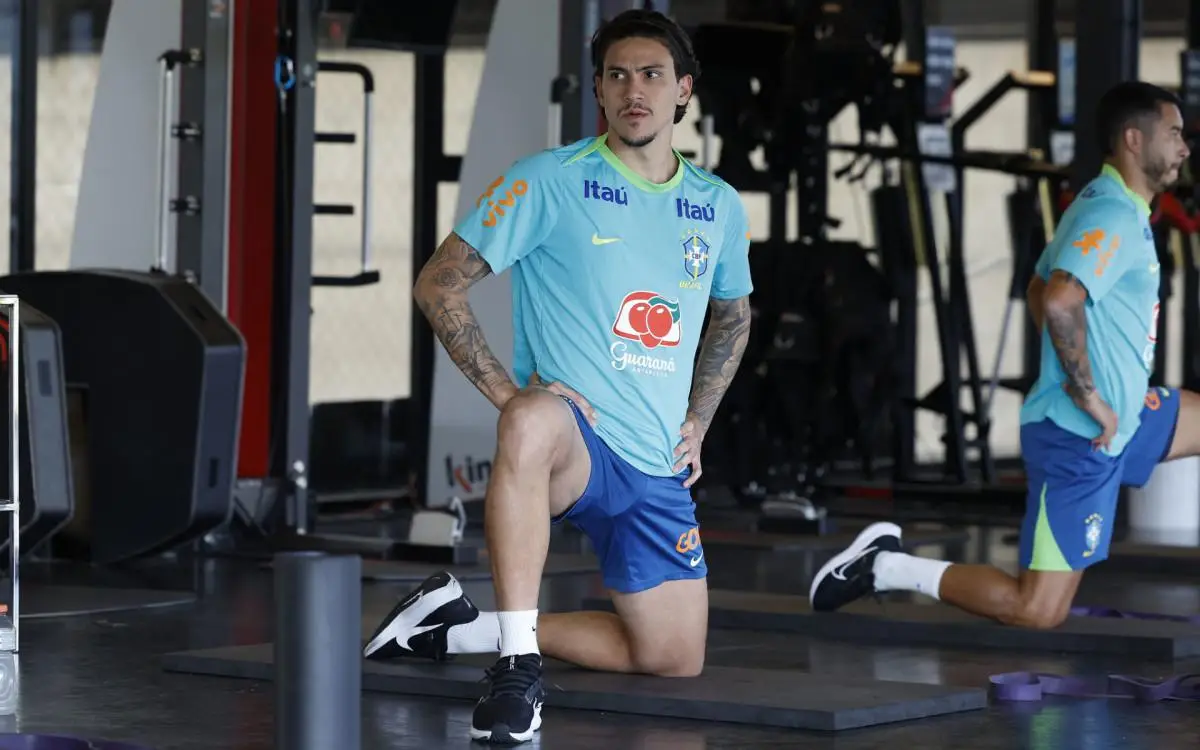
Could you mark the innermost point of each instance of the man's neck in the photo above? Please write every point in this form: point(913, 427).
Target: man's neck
point(1134, 179)
point(656, 161)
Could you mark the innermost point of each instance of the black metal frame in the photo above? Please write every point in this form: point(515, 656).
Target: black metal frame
point(293, 266)
point(959, 298)
point(1108, 35)
point(202, 129)
point(1042, 118)
point(22, 233)
point(946, 397)
point(577, 21)
point(431, 167)
point(366, 275)
point(1191, 264)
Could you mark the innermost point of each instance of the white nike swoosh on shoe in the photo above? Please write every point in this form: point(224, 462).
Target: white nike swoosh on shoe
point(840, 571)
point(866, 538)
point(401, 628)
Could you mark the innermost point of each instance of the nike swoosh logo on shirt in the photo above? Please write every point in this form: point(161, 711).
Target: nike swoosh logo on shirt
point(598, 240)
point(696, 560)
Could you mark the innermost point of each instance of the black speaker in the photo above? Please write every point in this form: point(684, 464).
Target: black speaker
point(156, 371)
point(46, 490)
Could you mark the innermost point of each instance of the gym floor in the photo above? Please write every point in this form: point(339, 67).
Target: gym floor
point(99, 677)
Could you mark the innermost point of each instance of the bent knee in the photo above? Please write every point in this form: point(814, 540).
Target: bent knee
point(672, 662)
point(531, 425)
point(1035, 616)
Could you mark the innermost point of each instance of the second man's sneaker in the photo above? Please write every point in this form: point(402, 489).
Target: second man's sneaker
point(511, 711)
point(418, 625)
point(850, 574)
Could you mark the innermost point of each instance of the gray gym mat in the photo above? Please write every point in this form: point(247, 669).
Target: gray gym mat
point(942, 625)
point(388, 571)
point(769, 698)
point(40, 601)
point(754, 540)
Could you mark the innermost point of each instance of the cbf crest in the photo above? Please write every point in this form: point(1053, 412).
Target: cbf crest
point(1091, 534)
point(695, 259)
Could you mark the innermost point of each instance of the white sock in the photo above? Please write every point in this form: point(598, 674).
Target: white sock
point(897, 571)
point(518, 632)
point(479, 636)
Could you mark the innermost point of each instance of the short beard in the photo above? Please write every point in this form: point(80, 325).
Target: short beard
point(639, 142)
point(1156, 174)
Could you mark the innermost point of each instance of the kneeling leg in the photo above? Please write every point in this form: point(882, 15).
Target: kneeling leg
point(541, 466)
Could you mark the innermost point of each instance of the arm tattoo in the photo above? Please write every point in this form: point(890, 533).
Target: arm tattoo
point(1067, 326)
point(720, 355)
point(441, 295)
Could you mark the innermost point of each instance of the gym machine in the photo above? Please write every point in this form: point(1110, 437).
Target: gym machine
point(282, 514)
point(812, 352)
point(133, 395)
point(930, 155)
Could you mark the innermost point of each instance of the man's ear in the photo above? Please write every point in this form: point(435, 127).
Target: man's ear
point(685, 90)
point(1134, 138)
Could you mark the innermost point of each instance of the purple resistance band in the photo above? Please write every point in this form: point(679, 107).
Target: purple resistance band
point(1033, 686)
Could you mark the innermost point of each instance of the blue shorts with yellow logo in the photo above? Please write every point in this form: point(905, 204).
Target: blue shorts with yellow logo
point(1073, 488)
point(642, 527)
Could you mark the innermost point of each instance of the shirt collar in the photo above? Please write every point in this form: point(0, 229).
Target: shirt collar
point(1112, 172)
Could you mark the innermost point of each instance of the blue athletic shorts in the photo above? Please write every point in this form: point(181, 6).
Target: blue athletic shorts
point(642, 527)
point(1073, 488)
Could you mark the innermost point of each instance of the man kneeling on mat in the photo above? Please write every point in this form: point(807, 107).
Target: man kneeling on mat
point(1090, 423)
point(618, 247)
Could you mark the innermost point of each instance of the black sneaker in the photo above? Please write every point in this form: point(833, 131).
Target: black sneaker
point(512, 709)
point(417, 626)
point(850, 575)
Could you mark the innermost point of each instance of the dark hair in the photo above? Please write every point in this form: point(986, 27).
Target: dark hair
point(648, 24)
point(1126, 105)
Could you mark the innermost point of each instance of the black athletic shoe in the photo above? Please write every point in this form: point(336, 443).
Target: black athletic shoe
point(512, 709)
point(417, 626)
point(850, 575)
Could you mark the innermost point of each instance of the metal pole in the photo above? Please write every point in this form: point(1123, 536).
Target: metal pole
point(166, 105)
point(368, 117)
point(318, 665)
point(22, 230)
point(1108, 34)
point(13, 505)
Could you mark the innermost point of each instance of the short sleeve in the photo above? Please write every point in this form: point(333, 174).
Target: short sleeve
point(1098, 246)
point(1042, 269)
point(515, 213)
point(731, 279)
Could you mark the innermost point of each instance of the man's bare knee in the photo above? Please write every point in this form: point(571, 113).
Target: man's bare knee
point(1037, 609)
point(1033, 618)
point(531, 430)
point(673, 661)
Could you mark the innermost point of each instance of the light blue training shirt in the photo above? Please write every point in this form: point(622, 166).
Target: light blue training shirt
point(1104, 240)
point(611, 280)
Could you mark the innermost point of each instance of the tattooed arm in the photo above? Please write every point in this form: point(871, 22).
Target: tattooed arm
point(720, 355)
point(1063, 308)
point(1066, 322)
point(441, 294)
